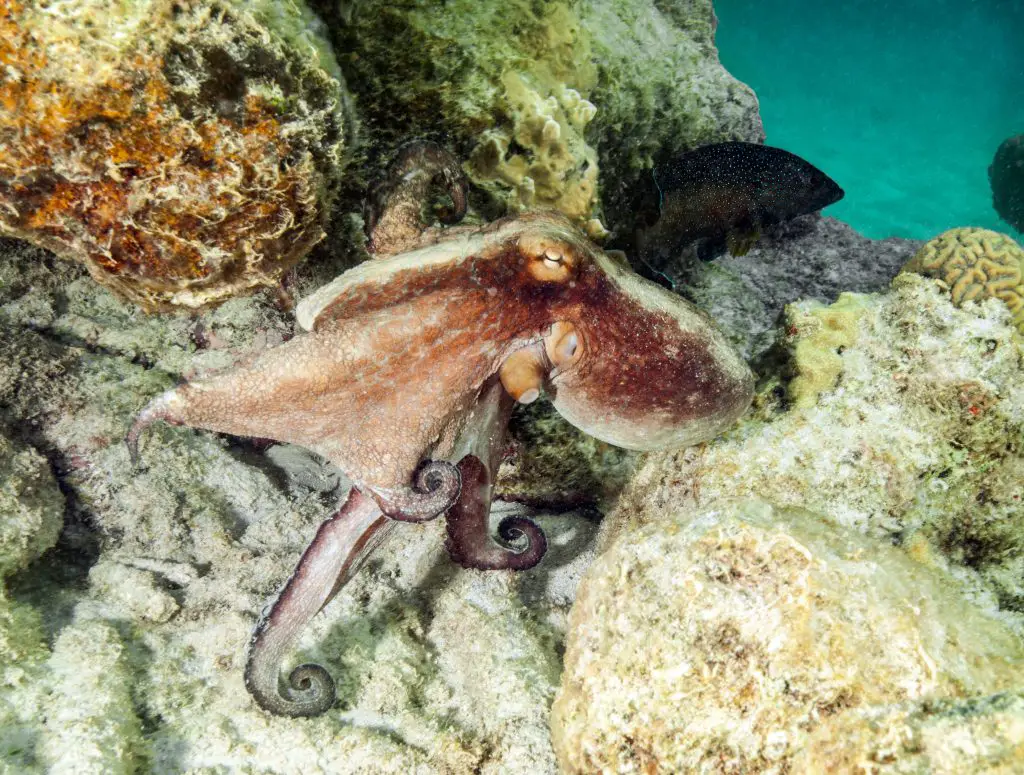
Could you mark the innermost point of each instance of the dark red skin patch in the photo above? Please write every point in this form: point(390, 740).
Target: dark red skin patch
point(638, 361)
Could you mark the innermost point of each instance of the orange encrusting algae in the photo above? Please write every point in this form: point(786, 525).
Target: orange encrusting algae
point(166, 199)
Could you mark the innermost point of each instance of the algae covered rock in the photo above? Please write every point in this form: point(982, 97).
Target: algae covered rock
point(90, 723)
point(980, 736)
point(720, 642)
point(811, 257)
point(184, 152)
point(543, 98)
point(908, 427)
point(31, 506)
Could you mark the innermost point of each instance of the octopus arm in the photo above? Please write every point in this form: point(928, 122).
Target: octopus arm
point(479, 451)
point(371, 395)
point(341, 546)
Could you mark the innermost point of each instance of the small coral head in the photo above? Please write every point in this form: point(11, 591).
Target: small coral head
point(640, 367)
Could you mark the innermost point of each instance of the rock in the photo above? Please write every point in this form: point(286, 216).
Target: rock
point(23, 655)
point(720, 642)
point(184, 153)
point(1006, 175)
point(979, 736)
point(541, 98)
point(31, 506)
point(910, 433)
point(555, 465)
point(90, 725)
point(807, 258)
point(134, 590)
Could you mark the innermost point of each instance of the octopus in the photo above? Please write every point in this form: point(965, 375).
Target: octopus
point(409, 368)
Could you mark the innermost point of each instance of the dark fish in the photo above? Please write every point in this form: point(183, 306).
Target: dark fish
point(725, 195)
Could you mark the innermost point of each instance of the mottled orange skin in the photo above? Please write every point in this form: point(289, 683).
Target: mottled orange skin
point(398, 357)
point(110, 173)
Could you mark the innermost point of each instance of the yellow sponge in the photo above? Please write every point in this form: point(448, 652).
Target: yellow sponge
point(976, 264)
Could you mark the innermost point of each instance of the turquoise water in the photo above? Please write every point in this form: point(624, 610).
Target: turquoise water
point(904, 104)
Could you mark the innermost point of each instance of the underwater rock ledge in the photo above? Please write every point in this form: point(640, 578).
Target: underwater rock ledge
point(719, 641)
point(561, 104)
point(183, 152)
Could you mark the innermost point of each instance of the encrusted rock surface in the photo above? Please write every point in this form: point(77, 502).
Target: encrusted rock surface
point(810, 257)
point(90, 723)
point(911, 430)
point(718, 642)
point(31, 506)
point(184, 152)
point(981, 736)
point(543, 98)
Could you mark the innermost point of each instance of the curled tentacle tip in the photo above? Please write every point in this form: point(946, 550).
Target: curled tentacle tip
point(157, 409)
point(514, 529)
point(308, 691)
point(439, 477)
point(163, 408)
point(435, 489)
point(457, 187)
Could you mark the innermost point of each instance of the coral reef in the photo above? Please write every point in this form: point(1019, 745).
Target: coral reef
point(718, 642)
point(184, 152)
point(976, 264)
point(1006, 176)
point(917, 442)
point(543, 98)
point(441, 669)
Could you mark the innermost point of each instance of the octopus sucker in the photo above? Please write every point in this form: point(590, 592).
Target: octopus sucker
point(407, 373)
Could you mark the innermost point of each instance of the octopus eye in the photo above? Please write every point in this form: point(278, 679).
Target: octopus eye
point(563, 345)
point(552, 257)
point(547, 259)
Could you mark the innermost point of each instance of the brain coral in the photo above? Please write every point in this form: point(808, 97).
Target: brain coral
point(183, 151)
point(977, 264)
